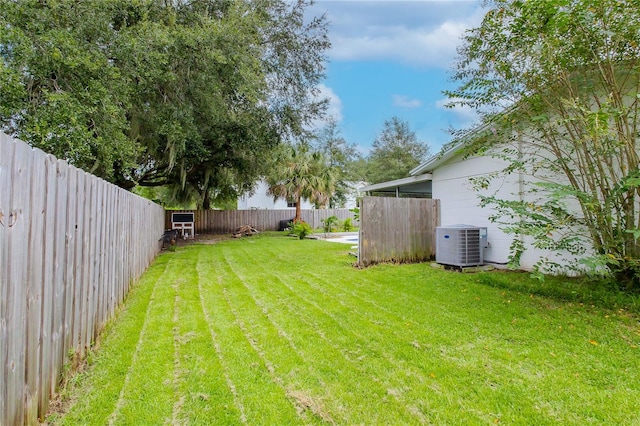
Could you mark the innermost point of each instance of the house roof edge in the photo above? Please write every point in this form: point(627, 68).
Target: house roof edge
point(397, 182)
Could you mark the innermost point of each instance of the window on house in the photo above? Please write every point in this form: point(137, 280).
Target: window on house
point(291, 203)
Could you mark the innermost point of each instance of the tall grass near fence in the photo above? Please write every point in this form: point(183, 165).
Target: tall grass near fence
point(70, 246)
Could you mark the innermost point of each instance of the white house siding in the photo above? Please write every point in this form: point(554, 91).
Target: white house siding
point(353, 194)
point(261, 200)
point(531, 256)
point(459, 203)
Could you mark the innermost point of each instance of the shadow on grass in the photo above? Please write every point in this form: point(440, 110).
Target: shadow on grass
point(601, 293)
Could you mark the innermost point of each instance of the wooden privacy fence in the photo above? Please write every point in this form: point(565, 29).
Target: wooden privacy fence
point(397, 229)
point(70, 246)
point(225, 221)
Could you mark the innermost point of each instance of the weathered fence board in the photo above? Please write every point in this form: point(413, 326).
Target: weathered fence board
point(397, 229)
point(59, 260)
point(34, 287)
point(5, 180)
point(69, 267)
point(67, 240)
point(90, 259)
point(226, 221)
point(78, 272)
point(16, 300)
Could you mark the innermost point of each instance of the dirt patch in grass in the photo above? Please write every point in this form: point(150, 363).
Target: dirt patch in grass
point(199, 239)
point(212, 238)
point(305, 402)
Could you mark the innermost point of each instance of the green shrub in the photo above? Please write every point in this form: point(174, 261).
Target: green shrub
point(329, 223)
point(347, 225)
point(356, 213)
point(302, 229)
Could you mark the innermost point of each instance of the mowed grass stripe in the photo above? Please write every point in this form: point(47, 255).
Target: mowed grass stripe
point(465, 345)
point(288, 364)
point(148, 394)
point(263, 399)
point(237, 406)
point(272, 330)
point(342, 348)
point(95, 401)
point(202, 395)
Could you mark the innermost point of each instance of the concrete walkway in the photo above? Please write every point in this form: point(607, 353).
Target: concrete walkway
point(339, 237)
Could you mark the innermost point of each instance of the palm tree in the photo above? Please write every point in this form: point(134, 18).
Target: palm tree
point(298, 173)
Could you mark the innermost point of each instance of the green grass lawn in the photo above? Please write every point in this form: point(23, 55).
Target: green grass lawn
point(272, 330)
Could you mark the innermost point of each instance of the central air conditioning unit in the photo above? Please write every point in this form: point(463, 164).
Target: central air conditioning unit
point(460, 245)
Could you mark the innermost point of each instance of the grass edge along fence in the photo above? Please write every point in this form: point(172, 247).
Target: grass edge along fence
point(397, 229)
point(226, 221)
point(71, 244)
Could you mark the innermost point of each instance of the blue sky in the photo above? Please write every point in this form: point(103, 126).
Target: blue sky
point(392, 58)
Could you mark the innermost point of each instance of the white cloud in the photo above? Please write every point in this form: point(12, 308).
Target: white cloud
point(417, 47)
point(334, 108)
point(416, 33)
point(335, 104)
point(404, 101)
point(364, 150)
point(464, 113)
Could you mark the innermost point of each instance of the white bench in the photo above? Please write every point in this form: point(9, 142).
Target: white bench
point(184, 223)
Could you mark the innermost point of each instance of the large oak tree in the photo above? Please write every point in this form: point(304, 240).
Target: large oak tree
point(153, 92)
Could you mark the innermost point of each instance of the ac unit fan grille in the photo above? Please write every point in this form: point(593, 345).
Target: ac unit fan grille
point(459, 246)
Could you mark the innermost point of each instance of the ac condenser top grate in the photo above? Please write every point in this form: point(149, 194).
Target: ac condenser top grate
point(460, 245)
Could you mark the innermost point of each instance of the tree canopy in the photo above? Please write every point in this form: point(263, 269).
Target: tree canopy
point(150, 92)
point(340, 155)
point(567, 73)
point(396, 150)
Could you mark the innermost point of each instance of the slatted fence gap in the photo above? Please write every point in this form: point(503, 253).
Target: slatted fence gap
point(71, 244)
point(397, 229)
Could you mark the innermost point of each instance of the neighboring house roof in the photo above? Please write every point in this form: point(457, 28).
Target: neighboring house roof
point(438, 159)
point(454, 148)
point(422, 173)
point(420, 177)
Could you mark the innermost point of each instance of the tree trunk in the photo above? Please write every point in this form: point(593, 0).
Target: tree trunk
point(206, 202)
point(297, 219)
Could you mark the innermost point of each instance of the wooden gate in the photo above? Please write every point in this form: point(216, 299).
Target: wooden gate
point(397, 229)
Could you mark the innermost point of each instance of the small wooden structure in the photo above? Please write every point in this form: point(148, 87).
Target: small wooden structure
point(397, 230)
point(184, 223)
